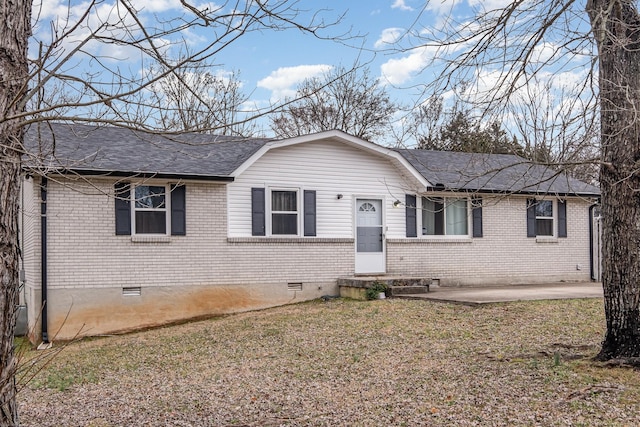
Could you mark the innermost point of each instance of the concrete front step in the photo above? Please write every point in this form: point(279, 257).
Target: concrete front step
point(355, 287)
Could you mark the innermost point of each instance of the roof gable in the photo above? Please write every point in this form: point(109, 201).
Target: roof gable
point(342, 138)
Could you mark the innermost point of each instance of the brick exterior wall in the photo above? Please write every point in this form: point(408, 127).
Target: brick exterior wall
point(201, 274)
point(206, 272)
point(504, 255)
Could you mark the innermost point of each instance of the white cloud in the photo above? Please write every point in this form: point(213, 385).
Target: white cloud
point(490, 4)
point(400, 4)
point(544, 52)
point(283, 81)
point(397, 71)
point(388, 37)
point(156, 5)
point(442, 7)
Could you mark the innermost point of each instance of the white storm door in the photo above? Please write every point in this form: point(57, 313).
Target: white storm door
point(370, 256)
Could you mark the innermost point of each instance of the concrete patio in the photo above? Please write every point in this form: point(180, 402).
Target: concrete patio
point(486, 295)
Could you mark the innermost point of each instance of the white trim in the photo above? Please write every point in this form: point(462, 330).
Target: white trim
point(336, 136)
point(166, 209)
point(269, 212)
point(545, 238)
point(448, 237)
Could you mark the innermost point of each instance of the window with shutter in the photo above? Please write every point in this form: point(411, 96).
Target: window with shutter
point(143, 209)
point(283, 212)
point(411, 217)
point(445, 216)
point(546, 218)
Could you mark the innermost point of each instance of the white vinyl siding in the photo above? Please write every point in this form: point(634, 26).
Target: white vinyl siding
point(329, 169)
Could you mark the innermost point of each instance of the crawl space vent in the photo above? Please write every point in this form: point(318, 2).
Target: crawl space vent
point(294, 286)
point(132, 292)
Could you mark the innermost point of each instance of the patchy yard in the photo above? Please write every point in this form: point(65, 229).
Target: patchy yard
point(343, 362)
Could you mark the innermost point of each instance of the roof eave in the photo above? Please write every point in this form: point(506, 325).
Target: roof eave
point(519, 192)
point(132, 174)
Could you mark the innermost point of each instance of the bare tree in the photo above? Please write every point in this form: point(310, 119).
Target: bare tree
point(424, 122)
point(562, 133)
point(503, 50)
point(14, 72)
point(210, 103)
point(95, 64)
point(348, 100)
point(616, 29)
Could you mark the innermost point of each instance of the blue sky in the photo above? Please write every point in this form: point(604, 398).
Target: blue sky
point(277, 61)
point(272, 63)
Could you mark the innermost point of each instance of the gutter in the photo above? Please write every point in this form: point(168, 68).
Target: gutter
point(440, 188)
point(43, 259)
point(140, 174)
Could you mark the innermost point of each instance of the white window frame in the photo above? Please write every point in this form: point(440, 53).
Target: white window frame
point(270, 212)
point(553, 217)
point(445, 235)
point(166, 209)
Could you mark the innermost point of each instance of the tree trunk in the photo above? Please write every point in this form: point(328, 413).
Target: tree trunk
point(14, 35)
point(616, 27)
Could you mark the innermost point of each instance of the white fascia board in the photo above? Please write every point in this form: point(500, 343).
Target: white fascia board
point(339, 136)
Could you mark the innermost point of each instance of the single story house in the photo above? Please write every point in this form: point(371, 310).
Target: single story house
point(123, 230)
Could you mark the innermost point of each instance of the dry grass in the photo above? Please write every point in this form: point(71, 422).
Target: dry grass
point(343, 362)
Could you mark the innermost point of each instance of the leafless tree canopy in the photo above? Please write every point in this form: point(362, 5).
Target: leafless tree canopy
point(101, 61)
point(348, 100)
point(529, 65)
point(210, 103)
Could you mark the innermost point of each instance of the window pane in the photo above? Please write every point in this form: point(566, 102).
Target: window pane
point(544, 208)
point(284, 201)
point(456, 213)
point(151, 222)
point(150, 197)
point(284, 224)
point(544, 227)
point(432, 216)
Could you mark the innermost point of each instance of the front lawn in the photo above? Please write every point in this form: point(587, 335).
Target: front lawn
point(344, 362)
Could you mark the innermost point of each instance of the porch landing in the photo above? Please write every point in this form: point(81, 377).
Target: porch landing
point(355, 287)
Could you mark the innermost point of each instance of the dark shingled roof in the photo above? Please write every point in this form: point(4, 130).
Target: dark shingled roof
point(109, 149)
point(501, 173)
point(91, 149)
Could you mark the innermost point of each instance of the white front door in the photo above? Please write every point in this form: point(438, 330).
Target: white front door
point(370, 255)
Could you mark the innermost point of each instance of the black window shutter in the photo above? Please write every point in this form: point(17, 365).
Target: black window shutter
point(531, 217)
point(178, 210)
point(309, 213)
point(476, 216)
point(257, 212)
point(411, 215)
point(562, 218)
point(122, 193)
point(438, 205)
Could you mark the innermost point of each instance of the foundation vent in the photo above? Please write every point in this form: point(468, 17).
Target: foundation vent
point(135, 291)
point(297, 286)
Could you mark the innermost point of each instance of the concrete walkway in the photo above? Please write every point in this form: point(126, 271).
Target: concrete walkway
point(485, 295)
